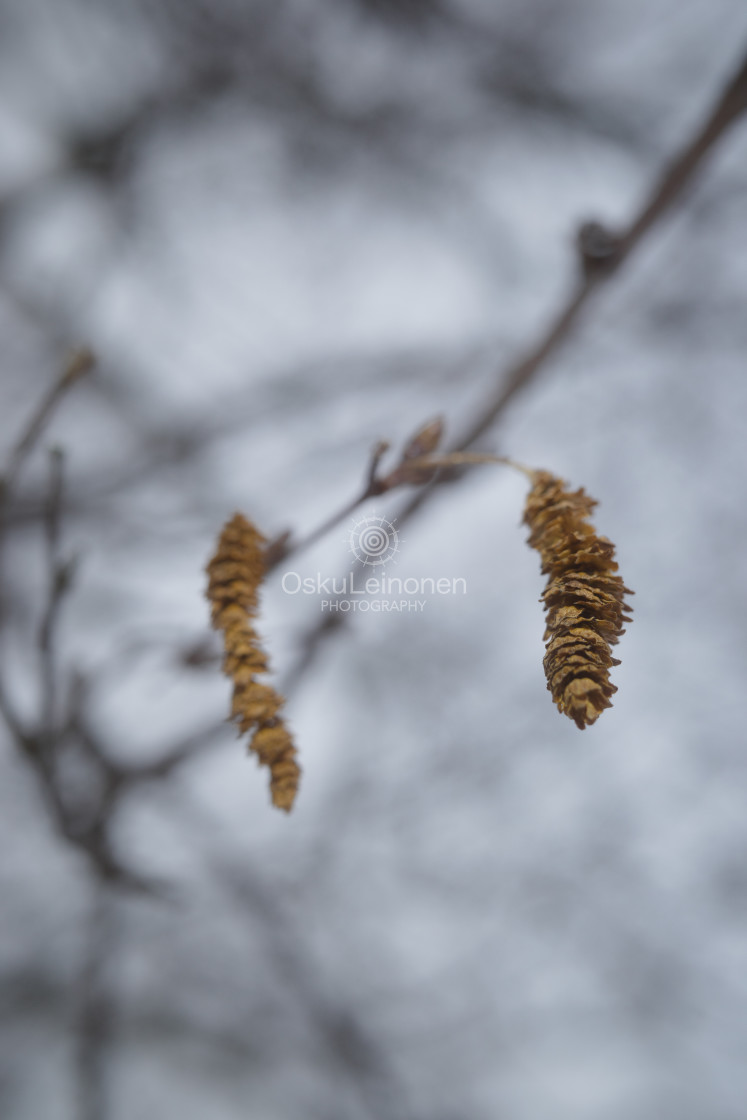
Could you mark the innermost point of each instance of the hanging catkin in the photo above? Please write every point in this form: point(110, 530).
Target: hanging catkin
point(235, 574)
point(583, 597)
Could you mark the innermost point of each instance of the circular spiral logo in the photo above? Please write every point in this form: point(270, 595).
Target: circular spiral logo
point(373, 540)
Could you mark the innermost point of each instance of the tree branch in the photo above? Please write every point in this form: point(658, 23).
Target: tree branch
point(78, 364)
point(96, 1012)
point(730, 103)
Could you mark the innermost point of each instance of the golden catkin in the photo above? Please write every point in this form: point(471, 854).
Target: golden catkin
point(234, 575)
point(583, 597)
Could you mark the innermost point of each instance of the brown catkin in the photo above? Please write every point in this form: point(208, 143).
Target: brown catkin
point(583, 597)
point(234, 576)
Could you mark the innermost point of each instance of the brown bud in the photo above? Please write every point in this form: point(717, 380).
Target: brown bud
point(599, 248)
point(425, 440)
point(422, 443)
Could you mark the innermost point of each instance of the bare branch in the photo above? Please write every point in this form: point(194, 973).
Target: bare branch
point(731, 102)
point(178, 754)
point(409, 470)
point(350, 1044)
point(78, 364)
point(96, 1010)
point(59, 579)
point(281, 549)
point(729, 105)
point(83, 819)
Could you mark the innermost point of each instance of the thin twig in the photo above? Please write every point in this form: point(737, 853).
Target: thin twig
point(283, 548)
point(58, 584)
point(42, 740)
point(83, 815)
point(729, 105)
point(732, 101)
point(178, 754)
point(78, 364)
point(467, 459)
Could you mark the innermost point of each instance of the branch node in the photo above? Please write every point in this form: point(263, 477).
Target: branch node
point(599, 249)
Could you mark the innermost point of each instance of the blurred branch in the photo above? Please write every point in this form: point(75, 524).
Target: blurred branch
point(418, 464)
point(78, 364)
point(163, 444)
point(96, 1010)
point(45, 740)
point(345, 1037)
point(730, 103)
point(348, 1041)
point(59, 581)
point(282, 547)
point(182, 751)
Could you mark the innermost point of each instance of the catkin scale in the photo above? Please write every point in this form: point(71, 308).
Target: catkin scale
point(234, 576)
point(583, 598)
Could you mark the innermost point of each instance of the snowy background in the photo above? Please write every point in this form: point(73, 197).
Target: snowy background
point(289, 230)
